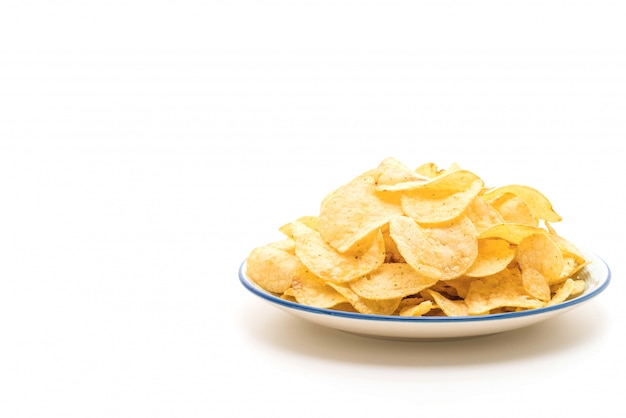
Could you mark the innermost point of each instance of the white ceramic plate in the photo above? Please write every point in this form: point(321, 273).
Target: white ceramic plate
point(596, 274)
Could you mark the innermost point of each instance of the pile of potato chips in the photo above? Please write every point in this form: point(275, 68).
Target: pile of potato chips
point(422, 242)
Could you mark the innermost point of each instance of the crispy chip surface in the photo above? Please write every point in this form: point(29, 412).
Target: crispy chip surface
point(441, 252)
point(537, 202)
point(390, 281)
point(502, 290)
point(329, 264)
point(353, 211)
point(272, 268)
point(443, 198)
point(494, 255)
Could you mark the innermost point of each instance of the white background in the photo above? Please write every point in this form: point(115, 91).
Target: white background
point(147, 146)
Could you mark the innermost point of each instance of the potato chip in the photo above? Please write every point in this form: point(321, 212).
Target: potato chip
point(310, 221)
point(448, 306)
point(418, 309)
point(329, 264)
point(566, 290)
point(482, 215)
point(494, 255)
point(539, 205)
point(310, 290)
point(393, 171)
point(443, 198)
point(539, 253)
point(502, 290)
point(365, 305)
point(567, 248)
point(390, 281)
point(272, 268)
point(442, 252)
point(513, 209)
point(536, 284)
point(353, 211)
point(513, 233)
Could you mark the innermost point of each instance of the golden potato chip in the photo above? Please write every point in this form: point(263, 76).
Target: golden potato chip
point(513, 209)
point(390, 281)
point(567, 248)
point(272, 268)
point(539, 205)
point(393, 171)
point(482, 215)
point(310, 221)
point(365, 305)
point(288, 295)
point(448, 306)
point(571, 267)
point(310, 290)
point(567, 289)
point(443, 198)
point(418, 309)
point(539, 253)
point(536, 284)
point(329, 264)
point(353, 211)
point(442, 252)
point(494, 255)
point(502, 290)
point(513, 233)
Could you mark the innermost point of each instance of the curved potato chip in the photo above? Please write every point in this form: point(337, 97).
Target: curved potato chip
point(365, 305)
point(536, 284)
point(541, 264)
point(513, 209)
point(310, 221)
point(482, 215)
point(537, 202)
point(329, 264)
point(419, 309)
point(393, 172)
point(494, 255)
point(448, 306)
point(567, 289)
point(513, 233)
point(442, 252)
point(272, 268)
point(443, 198)
point(502, 290)
point(567, 248)
point(310, 290)
point(353, 211)
point(390, 281)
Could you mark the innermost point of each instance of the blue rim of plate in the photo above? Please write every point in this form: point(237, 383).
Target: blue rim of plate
point(248, 284)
